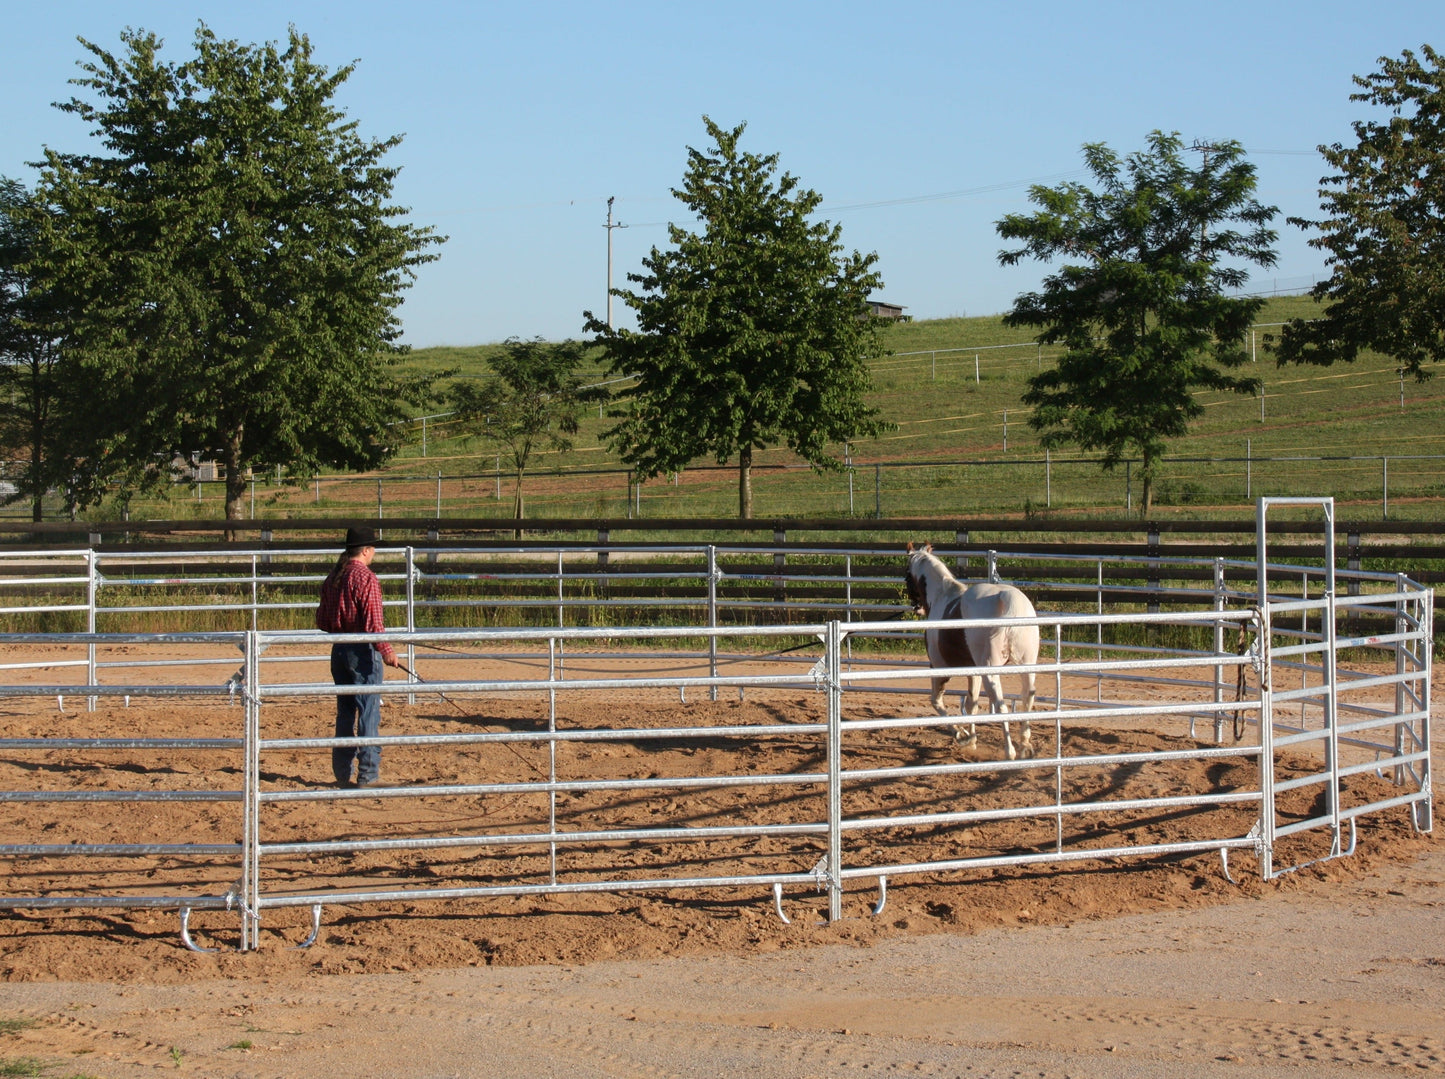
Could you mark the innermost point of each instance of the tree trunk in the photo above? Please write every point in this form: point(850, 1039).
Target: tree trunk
point(235, 480)
point(1147, 502)
point(745, 483)
point(518, 507)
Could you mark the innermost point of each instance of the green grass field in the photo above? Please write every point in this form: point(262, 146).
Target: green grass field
point(962, 447)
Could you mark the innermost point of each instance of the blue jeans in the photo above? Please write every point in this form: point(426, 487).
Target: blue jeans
point(359, 715)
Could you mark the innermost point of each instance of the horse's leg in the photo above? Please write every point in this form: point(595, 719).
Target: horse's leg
point(1029, 693)
point(936, 699)
point(994, 687)
point(967, 734)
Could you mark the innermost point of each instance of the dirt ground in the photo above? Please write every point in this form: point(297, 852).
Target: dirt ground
point(1151, 966)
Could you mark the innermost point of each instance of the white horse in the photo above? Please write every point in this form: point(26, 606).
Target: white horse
point(937, 595)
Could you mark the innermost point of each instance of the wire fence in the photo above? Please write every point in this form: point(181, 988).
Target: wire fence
point(945, 487)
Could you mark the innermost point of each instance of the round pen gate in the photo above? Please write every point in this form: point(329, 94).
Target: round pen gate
point(1180, 717)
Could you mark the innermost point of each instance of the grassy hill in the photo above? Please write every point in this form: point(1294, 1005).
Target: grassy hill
point(962, 447)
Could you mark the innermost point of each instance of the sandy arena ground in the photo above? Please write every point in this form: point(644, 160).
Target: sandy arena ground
point(1142, 968)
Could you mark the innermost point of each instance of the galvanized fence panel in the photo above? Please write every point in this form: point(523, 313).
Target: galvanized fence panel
point(544, 801)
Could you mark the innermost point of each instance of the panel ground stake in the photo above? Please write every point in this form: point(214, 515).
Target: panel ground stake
point(778, 904)
point(883, 895)
point(315, 929)
point(186, 933)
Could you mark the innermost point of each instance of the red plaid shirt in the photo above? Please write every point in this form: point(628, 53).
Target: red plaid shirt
point(351, 603)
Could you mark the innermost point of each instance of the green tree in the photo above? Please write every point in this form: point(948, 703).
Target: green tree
point(1139, 300)
point(1383, 227)
point(231, 262)
point(752, 332)
point(534, 402)
point(34, 432)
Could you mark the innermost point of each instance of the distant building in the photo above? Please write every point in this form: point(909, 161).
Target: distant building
point(888, 310)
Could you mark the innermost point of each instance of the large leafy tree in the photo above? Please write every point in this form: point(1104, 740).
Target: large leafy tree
point(1383, 226)
point(1138, 299)
point(752, 332)
point(534, 401)
point(231, 261)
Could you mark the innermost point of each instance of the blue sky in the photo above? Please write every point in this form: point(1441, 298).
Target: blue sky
point(921, 124)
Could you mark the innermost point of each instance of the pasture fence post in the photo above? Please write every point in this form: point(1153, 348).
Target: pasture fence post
point(834, 686)
point(993, 567)
point(878, 491)
point(1152, 553)
point(780, 561)
point(960, 561)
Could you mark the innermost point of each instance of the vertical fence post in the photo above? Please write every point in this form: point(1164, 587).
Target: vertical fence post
point(878, 491)
point(1331, 683)
point(1048, 480)
point(439, 494)
point(1248, 468)
point(1266, 751)
point(1219, 605)
point(1384, 488)
point(1128, 488)
point(712, 579)
point(835, 772)
point(410, 618)
point(251, 799)
point(92, 590)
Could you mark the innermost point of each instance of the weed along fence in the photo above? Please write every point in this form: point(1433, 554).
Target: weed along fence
point(766, 736)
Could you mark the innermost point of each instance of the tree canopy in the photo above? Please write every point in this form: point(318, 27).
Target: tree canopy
point(229, 260)
point(753, 331)
point(1138, 300)
point(1383, 226)
point(534, 402)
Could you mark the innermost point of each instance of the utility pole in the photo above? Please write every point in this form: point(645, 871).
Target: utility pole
point(609, 227)
point(1205, 148)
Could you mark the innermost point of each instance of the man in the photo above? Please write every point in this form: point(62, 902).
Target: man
point(351, 603)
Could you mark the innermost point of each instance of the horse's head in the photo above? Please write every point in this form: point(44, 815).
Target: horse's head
point(915, 580)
